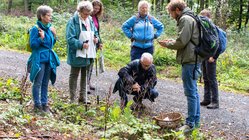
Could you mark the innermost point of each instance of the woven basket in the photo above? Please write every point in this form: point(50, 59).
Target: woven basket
point(168, 120)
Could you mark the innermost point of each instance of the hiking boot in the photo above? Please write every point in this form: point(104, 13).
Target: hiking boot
point(205, 103)
point(91, 87)
point(137, 106)
point(122, 103)
point(46, 108)
point(213, 106)
point(38, 109)
point(186, 128)
point(82, 101)
point(115, 89)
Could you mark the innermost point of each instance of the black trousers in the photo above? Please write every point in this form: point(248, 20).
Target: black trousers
point(125, 89)
point(210, 82)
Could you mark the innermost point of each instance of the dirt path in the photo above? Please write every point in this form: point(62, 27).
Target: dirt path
point(230, 121)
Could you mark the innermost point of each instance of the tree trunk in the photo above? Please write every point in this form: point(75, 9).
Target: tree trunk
point(240, 14)
point(247, 15)
point(9, 6)
point(206, 3)
point(202, 2)
point(162, 2)
point(26, 3)
point(217, 12)
point(133, 4)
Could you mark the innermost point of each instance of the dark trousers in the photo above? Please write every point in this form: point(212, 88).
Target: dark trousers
point(125, 89)
point(137, 52)
point(73, 77)
point(210, 82)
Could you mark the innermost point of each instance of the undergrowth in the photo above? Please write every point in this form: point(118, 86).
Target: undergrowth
point(72, 121)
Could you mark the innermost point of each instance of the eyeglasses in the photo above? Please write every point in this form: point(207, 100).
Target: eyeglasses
point(85, 13)
point(49, 15)
point(145, 66)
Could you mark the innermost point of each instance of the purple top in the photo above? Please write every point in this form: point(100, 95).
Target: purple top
point(95, 21)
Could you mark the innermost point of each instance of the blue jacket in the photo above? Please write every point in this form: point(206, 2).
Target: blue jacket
point(141, 30)
point(42, 52)
point(73, 43)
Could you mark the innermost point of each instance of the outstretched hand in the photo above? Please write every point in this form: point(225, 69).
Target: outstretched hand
point(166, 42)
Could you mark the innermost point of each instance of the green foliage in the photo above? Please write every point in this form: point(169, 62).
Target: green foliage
point(232, 67)
point(9, 90)
point(73, 121)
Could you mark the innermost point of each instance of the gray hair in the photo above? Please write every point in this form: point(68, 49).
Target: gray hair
point(42, 11)
point(147, 56)
point(85, 6)
point(142, 2)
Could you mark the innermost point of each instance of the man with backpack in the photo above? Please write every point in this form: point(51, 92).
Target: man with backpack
point(140, 29)
point(188, 36)
point(211, 95)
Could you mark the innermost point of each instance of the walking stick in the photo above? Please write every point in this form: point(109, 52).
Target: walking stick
point(86, 84)
point(96, 63)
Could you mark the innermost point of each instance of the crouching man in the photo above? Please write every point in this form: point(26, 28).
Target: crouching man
point(138, 78)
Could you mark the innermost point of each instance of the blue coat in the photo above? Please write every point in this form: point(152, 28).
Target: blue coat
point(141, 30)
point(73, 42)
point(42, 52)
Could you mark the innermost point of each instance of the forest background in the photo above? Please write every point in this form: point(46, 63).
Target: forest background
point(17, 16)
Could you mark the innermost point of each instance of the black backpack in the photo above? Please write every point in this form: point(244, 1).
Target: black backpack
point(208, 39)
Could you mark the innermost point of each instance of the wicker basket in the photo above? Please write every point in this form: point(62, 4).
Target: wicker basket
point(168, 120)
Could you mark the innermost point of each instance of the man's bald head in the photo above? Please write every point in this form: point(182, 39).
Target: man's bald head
point(146, 60)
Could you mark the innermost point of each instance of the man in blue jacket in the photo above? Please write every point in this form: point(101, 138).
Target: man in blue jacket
point(140, 29)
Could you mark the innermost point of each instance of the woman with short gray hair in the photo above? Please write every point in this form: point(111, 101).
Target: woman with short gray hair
point(140, 29)
point(42, 11)
point(81, 36)
point(43, 61)
point(143, 2)
point(85, 6)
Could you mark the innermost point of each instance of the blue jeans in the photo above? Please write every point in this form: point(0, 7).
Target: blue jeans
point(40, 85)
point(191, 92)
point(137, 52)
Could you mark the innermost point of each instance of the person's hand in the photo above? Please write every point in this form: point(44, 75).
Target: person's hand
point(211, 60)
point(163, 43)
point(53, 31)
point(41, 33)
point(136, 87)
point(85, 45)
point(166, 42)
point(95, 40)
point(100, 46)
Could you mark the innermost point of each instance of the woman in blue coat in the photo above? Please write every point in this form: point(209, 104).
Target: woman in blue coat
point(43, 61)
point(82, 37)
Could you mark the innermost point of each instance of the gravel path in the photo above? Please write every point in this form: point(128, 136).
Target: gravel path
point(230, 121)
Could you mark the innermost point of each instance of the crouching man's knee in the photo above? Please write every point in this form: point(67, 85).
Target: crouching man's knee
point(153, 94)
